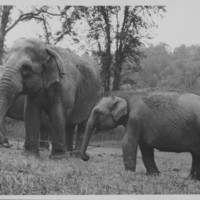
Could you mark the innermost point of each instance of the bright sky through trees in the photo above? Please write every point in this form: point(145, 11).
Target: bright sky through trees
point(181, 24)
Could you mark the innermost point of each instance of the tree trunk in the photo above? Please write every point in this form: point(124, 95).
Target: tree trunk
point(107, 56)
point(87, 136)
point(1, 48)
point(117, 70)
point(5, 12)
point(106, 71)
point(117, 78)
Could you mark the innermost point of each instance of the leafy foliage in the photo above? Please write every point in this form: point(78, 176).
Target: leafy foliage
point(11, 16)
point(162, 68)
point(114, 35)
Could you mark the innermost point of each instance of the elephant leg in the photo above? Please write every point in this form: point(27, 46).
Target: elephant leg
point(79, 138)
point(195, 169)
point(3, 127)
point(6, 143)
point(130, 145)
point(45, 132)
point(32, 124)
point(148, 158)
point(70, 130)
point(57, 121)
point(44, 137)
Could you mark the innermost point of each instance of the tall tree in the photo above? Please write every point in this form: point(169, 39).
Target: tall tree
point(99, 21)
point(118, 32)
point(129, 34)
point(106, 55)
point(114, 34)
point(40, 14)
point(4, 15)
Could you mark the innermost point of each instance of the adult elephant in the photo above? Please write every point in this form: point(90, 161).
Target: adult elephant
point(167, 121)
point(55, 80)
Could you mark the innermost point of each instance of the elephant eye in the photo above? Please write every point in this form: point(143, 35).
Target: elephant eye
point(26, 70)
point(98, 112)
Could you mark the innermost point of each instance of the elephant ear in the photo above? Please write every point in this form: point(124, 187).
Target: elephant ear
point(119, 108)
point(53, 68)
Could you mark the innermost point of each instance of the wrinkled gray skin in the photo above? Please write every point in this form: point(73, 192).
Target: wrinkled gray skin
point(167, 121)
point(16, 111)
point(55, 80)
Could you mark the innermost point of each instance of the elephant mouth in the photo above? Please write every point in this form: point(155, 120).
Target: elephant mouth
point(31, 90)
point(105, 127)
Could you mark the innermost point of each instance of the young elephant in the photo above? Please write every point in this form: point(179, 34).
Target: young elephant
point(167, 121)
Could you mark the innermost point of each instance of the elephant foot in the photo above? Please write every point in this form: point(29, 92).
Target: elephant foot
point(75, 153)
point(129, 169)
point(43, 149)
point(6, 144)
point(195, 176)
point(44, 146)
point(28, 153)
point(129, 166)
point(59, 155)
point(153, 173)
point(1, 138)
point(195, 169)
point(152, 170)
point(85, 157)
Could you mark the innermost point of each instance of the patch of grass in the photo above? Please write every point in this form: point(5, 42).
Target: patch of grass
point(103, 174)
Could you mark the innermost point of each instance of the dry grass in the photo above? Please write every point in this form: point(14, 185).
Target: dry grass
point(103, 174)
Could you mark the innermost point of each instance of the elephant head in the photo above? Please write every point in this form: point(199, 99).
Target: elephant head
point(107, 114)
point(29, 67)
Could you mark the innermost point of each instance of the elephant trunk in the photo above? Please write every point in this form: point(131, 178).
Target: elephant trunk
point(86, 139)
point(10, 87)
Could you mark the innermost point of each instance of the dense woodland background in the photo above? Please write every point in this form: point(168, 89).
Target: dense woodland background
point(178, 69)
point(114, 40)
point(111, 36)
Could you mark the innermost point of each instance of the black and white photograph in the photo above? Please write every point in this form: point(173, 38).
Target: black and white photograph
point(99, 99)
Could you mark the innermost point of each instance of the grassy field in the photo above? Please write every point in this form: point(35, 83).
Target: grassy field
point(103, 174)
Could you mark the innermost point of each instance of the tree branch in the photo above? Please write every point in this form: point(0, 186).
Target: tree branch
point(49, 13)
point(5, 17)
point(23, 17)
point(47, 34)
